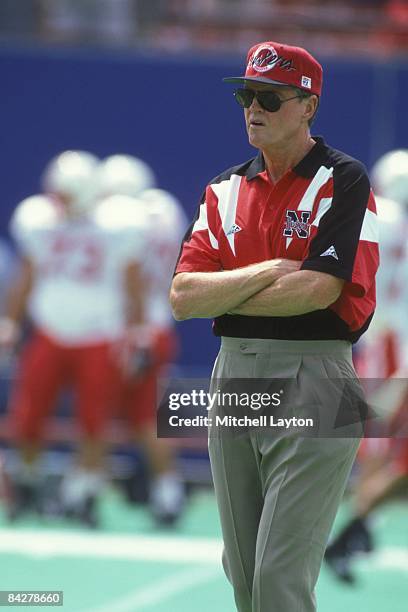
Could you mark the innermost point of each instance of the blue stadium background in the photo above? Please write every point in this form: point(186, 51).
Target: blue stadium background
point(177, 115)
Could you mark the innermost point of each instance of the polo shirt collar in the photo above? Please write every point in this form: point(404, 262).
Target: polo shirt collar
point(307, 167)
point(256, 166)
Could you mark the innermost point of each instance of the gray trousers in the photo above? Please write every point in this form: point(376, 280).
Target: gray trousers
point(278, 494)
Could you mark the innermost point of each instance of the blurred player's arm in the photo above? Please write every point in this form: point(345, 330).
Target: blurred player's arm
point(135, 290)
point(16, 304)
point(210, 294)
point(135, 354)
point(294, 294)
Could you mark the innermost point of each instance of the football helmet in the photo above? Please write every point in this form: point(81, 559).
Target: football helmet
point(163, 205)
point(390, 176)
point(119, 211)
point(33, 213)
point(70, 176)
point(124, 175)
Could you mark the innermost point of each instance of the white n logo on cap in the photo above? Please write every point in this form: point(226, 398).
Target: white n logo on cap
point(306, 82)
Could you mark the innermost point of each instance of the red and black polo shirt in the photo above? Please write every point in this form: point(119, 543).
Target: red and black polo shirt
point(322, 212)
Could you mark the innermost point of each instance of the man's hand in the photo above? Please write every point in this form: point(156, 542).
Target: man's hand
point(296, 293)
point(211, 294)
point(281, 267)
point(284, 266)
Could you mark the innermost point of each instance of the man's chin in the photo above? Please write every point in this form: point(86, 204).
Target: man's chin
point(255, 141)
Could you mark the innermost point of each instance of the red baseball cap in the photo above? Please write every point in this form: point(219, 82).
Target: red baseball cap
point(278, 64)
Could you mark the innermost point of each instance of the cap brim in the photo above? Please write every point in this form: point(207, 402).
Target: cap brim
point(254, 80)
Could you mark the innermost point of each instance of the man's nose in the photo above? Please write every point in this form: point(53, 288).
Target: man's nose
point(255, 104)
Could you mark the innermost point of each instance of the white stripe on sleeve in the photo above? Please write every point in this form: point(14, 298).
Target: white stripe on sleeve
point(370, 229)
point(202, 224)
point(324, 206)
point(227, 193)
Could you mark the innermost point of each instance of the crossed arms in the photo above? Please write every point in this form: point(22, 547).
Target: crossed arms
point(276, 287)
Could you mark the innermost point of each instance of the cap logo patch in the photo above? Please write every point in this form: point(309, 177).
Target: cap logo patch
point(306, 82)
point(265, 58)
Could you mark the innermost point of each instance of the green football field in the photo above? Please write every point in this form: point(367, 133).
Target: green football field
point(130, 566)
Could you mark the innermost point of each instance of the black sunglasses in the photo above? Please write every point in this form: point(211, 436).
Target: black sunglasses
point(268, 100)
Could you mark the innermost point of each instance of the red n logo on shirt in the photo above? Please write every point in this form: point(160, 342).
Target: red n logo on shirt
point(293, 223)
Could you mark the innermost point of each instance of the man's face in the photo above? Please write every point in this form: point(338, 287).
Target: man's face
point(267, 129)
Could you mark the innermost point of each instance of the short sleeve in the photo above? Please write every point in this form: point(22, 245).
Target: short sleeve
point(199, 250)
point(346, 242)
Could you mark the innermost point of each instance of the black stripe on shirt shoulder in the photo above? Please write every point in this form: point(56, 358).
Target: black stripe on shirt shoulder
point(347, 169)
point(249, 168)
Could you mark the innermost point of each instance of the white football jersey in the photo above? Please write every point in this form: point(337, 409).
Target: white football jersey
point(388, 331)
point(168, 226)
point(78, 296)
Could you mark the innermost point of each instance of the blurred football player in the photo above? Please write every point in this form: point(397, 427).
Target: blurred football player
point(382, 360)
point(151, 348)
point(168, 225)
point(77, 284)
point(150, 343)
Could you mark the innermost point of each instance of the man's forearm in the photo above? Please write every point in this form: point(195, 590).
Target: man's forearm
point(294, 294)
point(210, 294)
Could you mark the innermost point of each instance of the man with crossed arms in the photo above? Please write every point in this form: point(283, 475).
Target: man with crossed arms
point(282, 254)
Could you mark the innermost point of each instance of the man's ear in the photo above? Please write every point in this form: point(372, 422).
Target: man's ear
point(311, 106)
